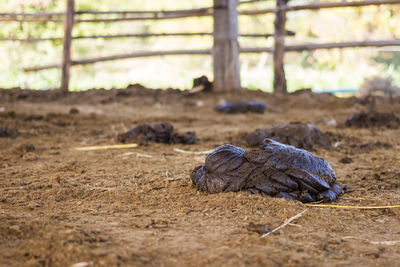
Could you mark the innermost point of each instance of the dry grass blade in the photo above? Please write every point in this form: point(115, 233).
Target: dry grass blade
point(388, 243)
point(193, 152)
point(287, 222)
point(352, 207)
point(137, 154)
point(90, 148)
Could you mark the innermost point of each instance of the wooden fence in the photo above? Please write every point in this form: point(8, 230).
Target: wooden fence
point(225, 50)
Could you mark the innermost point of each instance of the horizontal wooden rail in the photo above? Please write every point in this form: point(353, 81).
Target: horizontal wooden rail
point(201, 12)
point(250, 2)
point(39, 20)
point(125, 56)
point(288, 48)
point(137, 35)
point(323, 5)
point(371, 43)
point(114, 12)
point(37, 14)
point(144, 15)
point(157, 12)
point(30, 40)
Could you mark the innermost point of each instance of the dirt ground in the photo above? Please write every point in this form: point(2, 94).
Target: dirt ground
point(137, 206)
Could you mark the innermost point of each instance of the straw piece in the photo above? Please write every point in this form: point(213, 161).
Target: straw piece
point(90, 148)
point(193, 152)
point(287, 222)
point(352, 207)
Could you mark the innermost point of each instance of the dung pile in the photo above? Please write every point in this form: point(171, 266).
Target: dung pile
point(241, 107)
point(275, 170)
point(372, 119)
point(297, 134)
point(8, 132)
point(157, 132)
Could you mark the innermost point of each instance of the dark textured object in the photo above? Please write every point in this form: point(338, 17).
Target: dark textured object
point(241, 107)
point(296, 134)
point(275, 169)
point(203, 80)
point(74, 111)
point(346, 160)
point(8, 132)
point(157, 132)
point(373, 119)
point(28, 147)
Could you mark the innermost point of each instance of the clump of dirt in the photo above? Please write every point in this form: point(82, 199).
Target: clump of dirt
point(157, 132)
point(297, 134)
point(27, 148)
point(8, 132)
point(346, 160)
point(241, 107)
point(74, 111)
point(275, 170)
point(373, 119)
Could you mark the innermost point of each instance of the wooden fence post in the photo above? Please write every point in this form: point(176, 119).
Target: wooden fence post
point(279, 48)
point(226, 46)
point(66, 60)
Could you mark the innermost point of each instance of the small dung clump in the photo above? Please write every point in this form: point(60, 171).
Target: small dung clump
point(6, 132)
point(203, 81)
point(74, 111)
point(296, 134)
point(373, 119)
point(156, 132)
point(275, 169)
point(241, 107)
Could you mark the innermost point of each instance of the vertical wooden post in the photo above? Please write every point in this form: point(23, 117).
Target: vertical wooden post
point(66, 60)
point(279, 48)
point(226, 46)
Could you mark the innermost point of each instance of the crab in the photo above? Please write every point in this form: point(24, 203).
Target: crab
point(275, 170)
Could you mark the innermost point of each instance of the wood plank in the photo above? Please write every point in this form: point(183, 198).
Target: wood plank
point(289, 48)
point(322, 5)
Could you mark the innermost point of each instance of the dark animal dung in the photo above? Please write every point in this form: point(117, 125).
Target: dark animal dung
point(346, 160)
point(275, 170)
point(241, 107)
point(203, 80)
point(297, 134)
point(8, 132)
point(373, 119)
point(156, 132)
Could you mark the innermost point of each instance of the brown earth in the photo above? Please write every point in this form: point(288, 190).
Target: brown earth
point(137, 206)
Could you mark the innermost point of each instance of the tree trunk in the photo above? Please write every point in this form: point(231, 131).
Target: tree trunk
point(279, 49)
point(226, 46)
point(66, 60)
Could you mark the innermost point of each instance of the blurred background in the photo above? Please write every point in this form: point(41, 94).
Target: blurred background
point(321, 70)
